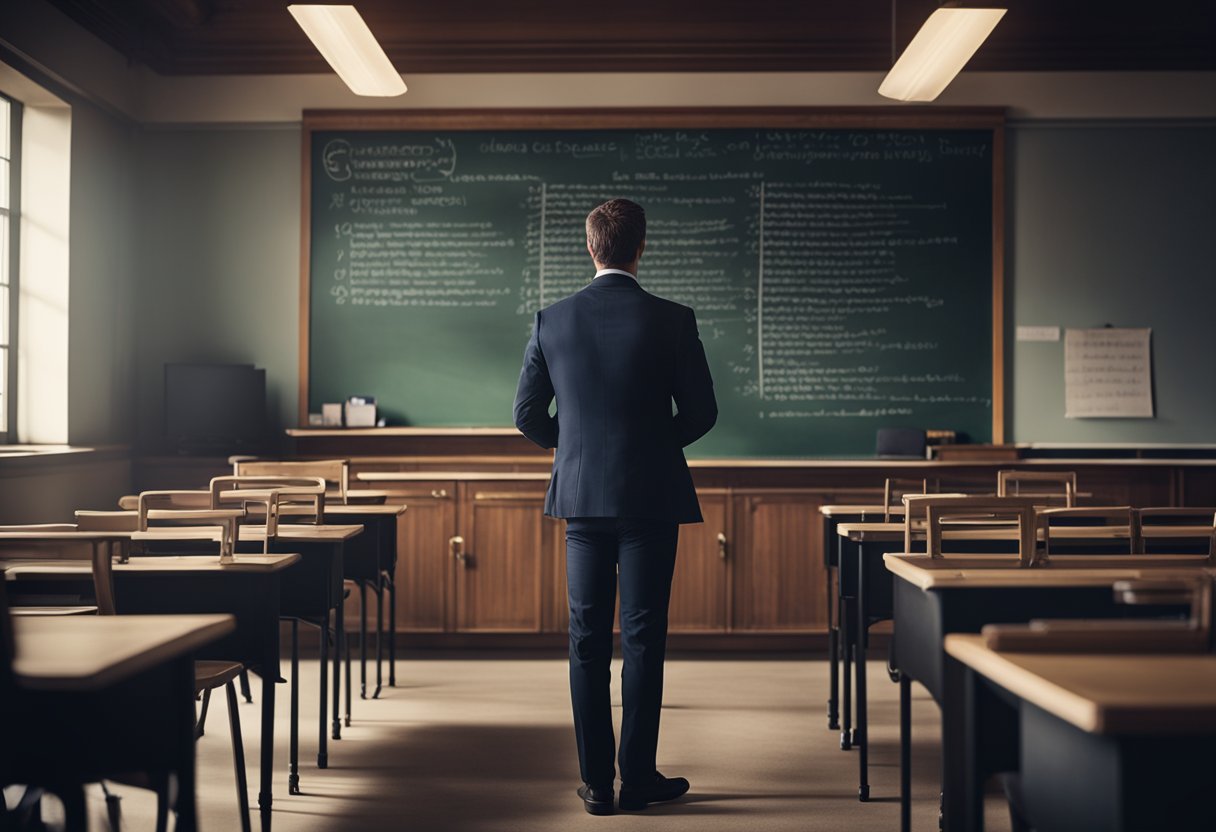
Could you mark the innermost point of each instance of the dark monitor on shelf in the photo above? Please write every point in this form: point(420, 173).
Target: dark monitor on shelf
point(215, 408)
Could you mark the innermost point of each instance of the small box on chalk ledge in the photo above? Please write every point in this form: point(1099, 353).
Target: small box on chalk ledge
point(361, 412)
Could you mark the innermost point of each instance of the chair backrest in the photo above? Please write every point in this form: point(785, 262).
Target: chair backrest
point(1112, 529)
point(336, 471)
point(1047, 485)
point(273, 495)
point(25, 540)
point(939, 509)
point(894, 489)
point(175, 515)
point(914, 515)
point(1198, 517)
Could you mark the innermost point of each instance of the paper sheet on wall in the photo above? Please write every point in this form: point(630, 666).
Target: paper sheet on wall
point(1108, 373)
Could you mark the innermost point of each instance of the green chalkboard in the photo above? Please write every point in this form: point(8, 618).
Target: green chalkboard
point(842, 276)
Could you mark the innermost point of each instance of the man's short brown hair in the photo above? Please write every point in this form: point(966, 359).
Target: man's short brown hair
point(615, 231)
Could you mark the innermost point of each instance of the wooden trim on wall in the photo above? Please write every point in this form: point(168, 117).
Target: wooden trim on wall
point(919, 118)
point(305, 268)
point(998, 285)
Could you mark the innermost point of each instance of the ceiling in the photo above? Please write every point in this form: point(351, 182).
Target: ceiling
point(205, 37)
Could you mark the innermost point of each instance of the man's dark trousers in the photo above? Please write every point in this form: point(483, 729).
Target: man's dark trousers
point(642, 555)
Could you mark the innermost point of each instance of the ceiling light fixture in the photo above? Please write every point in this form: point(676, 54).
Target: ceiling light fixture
point(344, 40)
point(939, 51)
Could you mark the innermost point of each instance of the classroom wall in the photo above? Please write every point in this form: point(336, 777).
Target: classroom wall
point(1113, 224)
point(1105, 223)
point(218, 278)
point(102, 315)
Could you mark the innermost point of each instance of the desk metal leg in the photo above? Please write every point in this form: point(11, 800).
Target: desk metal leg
point(859, 736)
point(293, 762)
point(362, 639)
point(265, 795)
point(833, 657)
point(392, 629)
point(379, 633)
point(323, 738)
point(182, 689)
point(346, 650)
point(338, 636)
point(905, 753)
point(846, 676)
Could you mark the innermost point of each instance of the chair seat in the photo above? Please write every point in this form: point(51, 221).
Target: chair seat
point(209, 675)
point(72, 610)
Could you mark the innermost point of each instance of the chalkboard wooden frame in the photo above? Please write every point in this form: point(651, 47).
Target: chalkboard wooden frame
point(924, 118)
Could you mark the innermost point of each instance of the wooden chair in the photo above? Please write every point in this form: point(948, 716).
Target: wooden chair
point(1046, 485)
point(939, 510)
point(337, 472)
point(271, 497)
point(1187, 529)
point(894, 489)
point(173, 515)
point(1112, 530)
point(333, 471)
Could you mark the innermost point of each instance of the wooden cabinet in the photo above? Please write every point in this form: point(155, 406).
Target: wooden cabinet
point(479, 556)
point(699, 589)
point(777, 574)
point(499, 565)
point(423, 560)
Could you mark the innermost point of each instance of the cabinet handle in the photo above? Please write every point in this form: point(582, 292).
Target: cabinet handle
point(439, 493)
point(456, 544)
point(722, 545)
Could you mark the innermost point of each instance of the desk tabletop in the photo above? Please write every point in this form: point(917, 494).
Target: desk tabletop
point(895, 531)
point(847, 510)
point(1160, 694)
point(65, 536)
point(87, 653)
point(346, 509)
point(16, 569)
point(984, 571)
point(430, 476)
point(303, 532)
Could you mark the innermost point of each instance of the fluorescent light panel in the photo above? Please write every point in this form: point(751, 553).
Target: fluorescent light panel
point(344, 40)
point(938, 53)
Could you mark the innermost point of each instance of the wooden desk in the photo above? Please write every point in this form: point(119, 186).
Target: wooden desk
point(372, 559)
point(249, 589)
point(1107, 742)
point(104, 695)
point(314, 592)
point(833, 516)
point(960, 594)
point(866, 590)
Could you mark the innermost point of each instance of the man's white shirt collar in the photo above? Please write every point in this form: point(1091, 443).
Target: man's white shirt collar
point(614, 271)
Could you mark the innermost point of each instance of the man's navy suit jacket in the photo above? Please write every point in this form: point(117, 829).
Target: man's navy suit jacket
point(615, 357)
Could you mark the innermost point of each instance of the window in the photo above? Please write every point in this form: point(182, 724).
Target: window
point(10, 183)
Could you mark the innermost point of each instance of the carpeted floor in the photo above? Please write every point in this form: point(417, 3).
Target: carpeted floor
point(486, 744)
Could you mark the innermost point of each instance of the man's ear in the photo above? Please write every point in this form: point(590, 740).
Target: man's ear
point(589, 251)
point(641, 248)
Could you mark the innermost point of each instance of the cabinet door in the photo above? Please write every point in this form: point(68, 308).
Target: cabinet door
point(498, 574)
point(778, 575)
point(698, 590)
point(423, 536)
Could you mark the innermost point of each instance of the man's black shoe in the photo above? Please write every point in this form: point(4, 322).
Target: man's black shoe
point(596, 801)
point(634, 797)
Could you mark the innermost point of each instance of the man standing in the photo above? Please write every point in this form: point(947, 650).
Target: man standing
point(615, 358)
